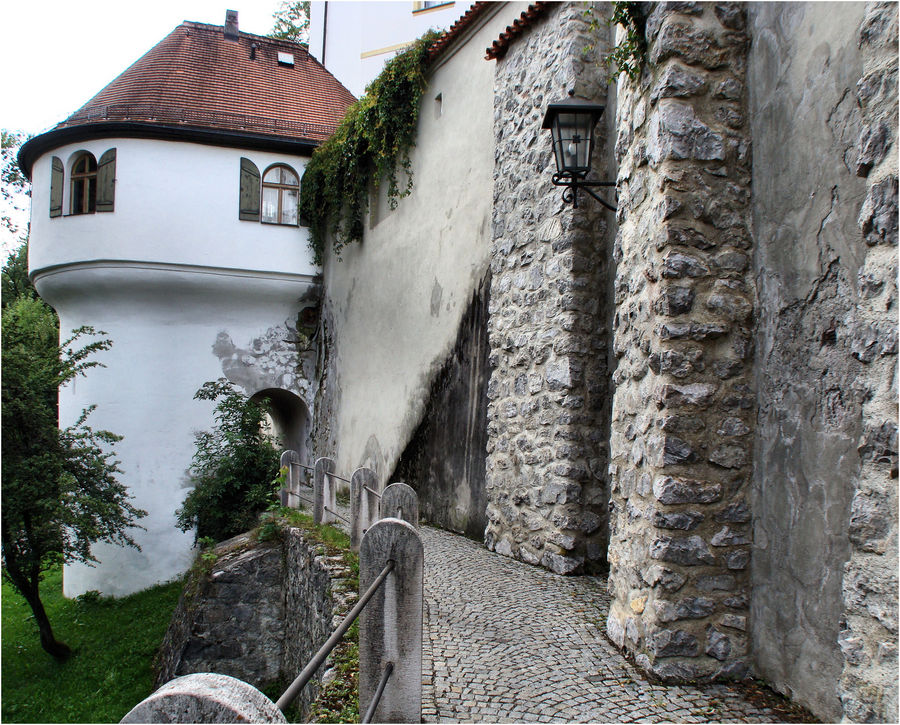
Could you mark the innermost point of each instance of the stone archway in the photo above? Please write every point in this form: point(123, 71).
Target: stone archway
point(290, 417)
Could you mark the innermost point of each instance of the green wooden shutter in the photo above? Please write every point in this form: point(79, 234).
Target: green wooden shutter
point(249, 202)
point(106, 181)
point(56, 186)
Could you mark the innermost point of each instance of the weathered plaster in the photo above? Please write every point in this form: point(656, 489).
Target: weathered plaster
point(806, 119)
point(417, 267)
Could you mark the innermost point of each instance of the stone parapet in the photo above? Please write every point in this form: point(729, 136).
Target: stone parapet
point(546, 479)
point(683, 411)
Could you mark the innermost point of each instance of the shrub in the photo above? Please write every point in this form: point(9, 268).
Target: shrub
point(233, 469)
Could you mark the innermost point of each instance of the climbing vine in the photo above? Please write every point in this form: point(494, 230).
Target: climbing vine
point(370, 148)
point(629, 53)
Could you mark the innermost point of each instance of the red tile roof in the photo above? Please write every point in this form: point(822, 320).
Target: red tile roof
point(194, 77)
point(520, 25)
point(455, 30)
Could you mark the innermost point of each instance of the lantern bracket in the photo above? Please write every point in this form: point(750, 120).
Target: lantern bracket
point(574, 183)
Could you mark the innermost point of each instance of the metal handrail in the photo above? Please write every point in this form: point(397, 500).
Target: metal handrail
point(335, 513)
point(294, 689)
point(312, 468)
point(371, 490)
point(385, 675)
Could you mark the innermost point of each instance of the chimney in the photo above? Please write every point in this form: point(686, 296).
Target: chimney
point(231, 25)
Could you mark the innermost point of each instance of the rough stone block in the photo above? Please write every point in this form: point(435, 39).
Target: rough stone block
point(677, 82)
point(692, 45)
point(680, 520)
point(729, 456)
point(878, 217)
point(689, 608)
point(726, 537)
point(673, 643)
point(669, 580)
point(676, 133)
point(669, 490)
point(690, 551)
point(694, 394)
point(674, 300)
point(677, 265)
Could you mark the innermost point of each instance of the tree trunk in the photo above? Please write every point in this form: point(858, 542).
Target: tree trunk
point(58, 649)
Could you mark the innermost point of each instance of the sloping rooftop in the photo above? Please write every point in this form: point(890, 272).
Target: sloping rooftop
point(531, 14)
point(197, 77)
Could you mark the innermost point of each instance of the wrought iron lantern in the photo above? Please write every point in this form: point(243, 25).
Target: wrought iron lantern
point(571, 123)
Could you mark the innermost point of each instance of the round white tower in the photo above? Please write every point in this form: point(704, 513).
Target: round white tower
point(164, 213)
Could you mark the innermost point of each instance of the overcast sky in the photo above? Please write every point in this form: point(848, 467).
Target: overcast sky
point(57, 54)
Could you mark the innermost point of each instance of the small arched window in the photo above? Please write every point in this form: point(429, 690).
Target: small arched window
point(280, 195)
point(84, 184)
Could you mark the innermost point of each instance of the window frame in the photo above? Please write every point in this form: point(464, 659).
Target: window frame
point(83, 179)
point(281, 188)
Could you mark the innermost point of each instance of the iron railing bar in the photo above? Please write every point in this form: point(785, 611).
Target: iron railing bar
point(335, 513)
point(376, 698)
point(305, 676)
point(372, 490)
point(340, 478)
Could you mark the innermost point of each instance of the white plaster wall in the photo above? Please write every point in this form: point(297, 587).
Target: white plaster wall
point(357, 28)
point(175, 203)
point(163, 275)
point(398, 298)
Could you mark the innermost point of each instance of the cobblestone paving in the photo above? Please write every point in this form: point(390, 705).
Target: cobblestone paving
point(508, 642)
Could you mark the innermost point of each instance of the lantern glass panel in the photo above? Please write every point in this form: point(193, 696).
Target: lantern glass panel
point(572, 142)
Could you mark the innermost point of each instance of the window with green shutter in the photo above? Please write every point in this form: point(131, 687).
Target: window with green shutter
point(57, 173)
point(106, 181)
point(249, 198)
point(84, 184)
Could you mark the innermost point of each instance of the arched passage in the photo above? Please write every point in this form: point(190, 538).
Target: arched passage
point(290, 417)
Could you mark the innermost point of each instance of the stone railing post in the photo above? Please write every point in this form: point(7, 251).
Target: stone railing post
point(400, 501)
point(205, 697)
point(290, 492)
point(364, 504)
point(324, 492)
point(390, 627)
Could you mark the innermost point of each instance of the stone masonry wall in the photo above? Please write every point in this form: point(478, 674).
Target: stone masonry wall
point(548, 394)
point(868, 636)
point(260, 613)
point(683, 409)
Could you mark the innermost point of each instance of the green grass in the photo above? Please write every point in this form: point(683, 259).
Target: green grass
point(113, 642)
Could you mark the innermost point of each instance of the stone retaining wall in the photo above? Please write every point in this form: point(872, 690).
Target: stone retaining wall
point(683, 409)
point(260, 614)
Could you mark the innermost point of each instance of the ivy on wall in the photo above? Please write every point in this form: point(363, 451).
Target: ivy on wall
point(370, 147)
point(629, 53)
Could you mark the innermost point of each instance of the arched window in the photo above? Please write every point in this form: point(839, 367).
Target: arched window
point(280, 195)
point(84, 184)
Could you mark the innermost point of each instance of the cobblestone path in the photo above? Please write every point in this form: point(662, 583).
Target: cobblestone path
point(509, 642)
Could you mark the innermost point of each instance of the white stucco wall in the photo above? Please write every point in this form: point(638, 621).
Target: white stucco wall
point(398, 298)
point(357, 31)
point(175, 203)
point(165, 276)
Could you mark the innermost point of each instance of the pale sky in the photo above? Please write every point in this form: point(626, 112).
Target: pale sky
point(57, 54)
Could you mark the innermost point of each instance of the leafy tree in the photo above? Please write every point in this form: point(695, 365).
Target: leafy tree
point(14, 187)
point(59, 487)
point(233, 468)
point(14, 277)
point(292, 21)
